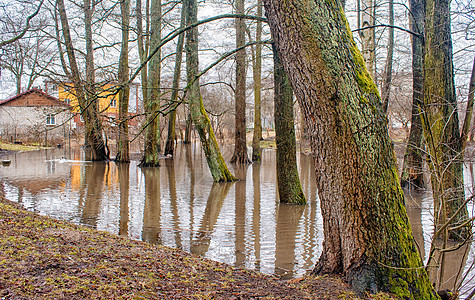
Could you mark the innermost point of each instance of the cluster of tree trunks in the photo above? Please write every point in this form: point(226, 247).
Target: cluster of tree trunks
point(151, 155)
point(95, 149)
point(441, 124)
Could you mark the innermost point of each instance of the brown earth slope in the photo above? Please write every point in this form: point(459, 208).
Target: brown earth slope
point(41, 258)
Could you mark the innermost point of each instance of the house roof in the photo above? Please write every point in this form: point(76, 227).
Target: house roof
point(53, 100)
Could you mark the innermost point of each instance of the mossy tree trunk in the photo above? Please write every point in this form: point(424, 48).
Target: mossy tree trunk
point(216, 163)
point(441, 123)
point(367, 236)
point(95, 149)
point(240, 146)
point(171, 136)
point(412, 170)
point(151, 153)
point(288, 181)
point(123, 140)
point(257, 70)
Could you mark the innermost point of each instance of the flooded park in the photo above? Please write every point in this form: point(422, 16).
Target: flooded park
point(178, 205)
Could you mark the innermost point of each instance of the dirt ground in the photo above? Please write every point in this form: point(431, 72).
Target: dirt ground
point(42, 258)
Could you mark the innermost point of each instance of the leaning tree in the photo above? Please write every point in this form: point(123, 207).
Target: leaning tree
point(367, 236)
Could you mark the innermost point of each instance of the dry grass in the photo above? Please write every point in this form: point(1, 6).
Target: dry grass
point(14, 147)
point(41, 258)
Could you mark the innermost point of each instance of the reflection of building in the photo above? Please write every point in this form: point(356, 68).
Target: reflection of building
point(34, 115)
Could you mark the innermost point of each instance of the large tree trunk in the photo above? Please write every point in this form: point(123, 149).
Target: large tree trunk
point(441, 122)
point(240, 146)
point(171, 137)
point(256, 68)
point(216, 163)
point(367, 235)
point(412, 170)
point(123, 140)
point(151, 153)
point(95, 149)
point(288, 181)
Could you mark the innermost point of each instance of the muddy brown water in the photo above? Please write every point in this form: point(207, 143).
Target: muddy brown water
point(178, 205)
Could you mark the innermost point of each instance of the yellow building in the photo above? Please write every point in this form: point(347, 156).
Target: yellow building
point(107, 98)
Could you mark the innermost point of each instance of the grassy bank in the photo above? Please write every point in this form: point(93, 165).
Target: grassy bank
point(41, 258)
point(16, 147)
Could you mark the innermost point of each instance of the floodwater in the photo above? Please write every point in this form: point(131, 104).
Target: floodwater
point(178, 205)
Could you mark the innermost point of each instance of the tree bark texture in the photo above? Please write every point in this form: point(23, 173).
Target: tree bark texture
point(171, 136)
point(368, 49)
point(141, 46)
point(123, 126)
point(188, 127)
point(151, 153)
point(240, 146)
point(388, 69)
point(441, 123)
point(469, 112)
point(95, 149)
point(367, 235)
point(257, 70)
point(412, 170)
point(216, 163)
point(288, 181)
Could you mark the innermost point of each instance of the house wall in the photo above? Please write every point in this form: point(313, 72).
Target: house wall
point(28, 123)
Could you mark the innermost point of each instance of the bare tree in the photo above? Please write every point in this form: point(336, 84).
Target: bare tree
point(151, 153)
point(216, 163)
point(123, 76)
point(94, 143)
point(240, 146)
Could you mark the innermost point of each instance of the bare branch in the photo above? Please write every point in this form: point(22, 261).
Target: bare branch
point(27, 26)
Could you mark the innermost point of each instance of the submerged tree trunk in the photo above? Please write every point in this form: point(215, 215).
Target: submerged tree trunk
point(288, 181)
point(367, 235)
point(240, 146)
point(412, 170)
point(94, 144)
point(257, 66)
point(441, 123)
point(216, 163)
point(151, 153)
point(171, 136)
point(95, 149)
point(123, 140)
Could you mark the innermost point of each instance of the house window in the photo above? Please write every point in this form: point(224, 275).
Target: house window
point(50, 119)
point(114, 103)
